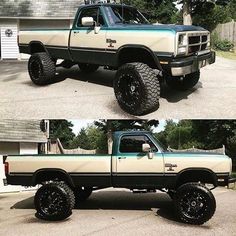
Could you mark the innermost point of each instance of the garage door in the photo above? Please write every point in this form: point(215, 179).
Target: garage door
point(9, 47)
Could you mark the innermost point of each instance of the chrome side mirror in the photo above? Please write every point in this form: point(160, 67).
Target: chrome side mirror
point(87, 21)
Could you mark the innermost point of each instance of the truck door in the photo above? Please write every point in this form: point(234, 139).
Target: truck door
point(134, 167)
point(86, 45)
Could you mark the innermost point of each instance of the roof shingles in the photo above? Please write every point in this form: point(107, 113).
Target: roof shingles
point(21, 131)
point(39, 8)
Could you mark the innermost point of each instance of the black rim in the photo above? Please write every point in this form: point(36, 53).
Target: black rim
point(51, 202)
point(36, 69)
point(130, 91)
point(193, 204)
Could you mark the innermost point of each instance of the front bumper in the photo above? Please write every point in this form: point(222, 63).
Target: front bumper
point(187, 65)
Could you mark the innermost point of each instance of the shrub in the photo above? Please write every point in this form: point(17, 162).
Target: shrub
point(223, 45)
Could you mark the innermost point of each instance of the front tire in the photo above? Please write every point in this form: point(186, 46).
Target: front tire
point(54, 201)
point(88, 68)
point(195, 203)
point(183, 82)
point(42, 68)
point(137, 88)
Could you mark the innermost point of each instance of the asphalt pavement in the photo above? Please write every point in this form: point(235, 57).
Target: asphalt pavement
point(115, 212)
point(79, 96)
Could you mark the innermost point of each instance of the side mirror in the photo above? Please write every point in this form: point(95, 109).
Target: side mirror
point(87, 21)
point(146, 147)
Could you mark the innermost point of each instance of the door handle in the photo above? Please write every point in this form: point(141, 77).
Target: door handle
point(121, 158)
point(76, 32)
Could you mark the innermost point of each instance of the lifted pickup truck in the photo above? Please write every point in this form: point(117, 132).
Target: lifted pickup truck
point(120, 38)
point(138, 162)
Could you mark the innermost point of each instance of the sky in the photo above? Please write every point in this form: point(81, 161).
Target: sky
point(79, 124)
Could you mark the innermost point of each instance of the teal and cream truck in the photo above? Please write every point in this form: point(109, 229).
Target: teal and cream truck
point(120, 38)
point(138, 162)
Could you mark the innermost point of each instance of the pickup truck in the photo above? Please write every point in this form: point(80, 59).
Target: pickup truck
point(120, 38)
point(138, 162)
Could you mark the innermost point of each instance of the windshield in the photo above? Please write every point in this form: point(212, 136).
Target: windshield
point(161, 145)
point(125, 15)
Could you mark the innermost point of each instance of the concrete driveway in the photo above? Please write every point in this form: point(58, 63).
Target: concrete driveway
point(115, 212)
point(80, 96)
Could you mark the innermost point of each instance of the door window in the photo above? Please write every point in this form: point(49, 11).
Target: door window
point(133, 144)
point(95, 13)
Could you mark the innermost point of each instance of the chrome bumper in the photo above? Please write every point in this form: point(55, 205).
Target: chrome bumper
point(184, 66)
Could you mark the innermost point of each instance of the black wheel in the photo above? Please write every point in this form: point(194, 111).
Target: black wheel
point(54, 201)
point(88, 68)
point(195, 204)
point(137, 88)
point(82, 194)
point(42, 68)
point(183, 82)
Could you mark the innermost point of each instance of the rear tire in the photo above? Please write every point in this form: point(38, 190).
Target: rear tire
point(88, 68)
point(183, 82)
point(195, 203)
point(137, 88)
point(54, 201)
point(42, 68)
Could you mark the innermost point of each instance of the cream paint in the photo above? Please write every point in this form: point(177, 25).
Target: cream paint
point(140, 164)
point(102, 164)
point(156, 41)
point(68, 163)
point(214, 163)
point(88, 39)
point(47, 37)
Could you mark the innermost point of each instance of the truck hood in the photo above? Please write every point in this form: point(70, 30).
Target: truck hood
point(174, 28)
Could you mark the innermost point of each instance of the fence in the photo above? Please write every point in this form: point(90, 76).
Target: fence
point(227, 31)
point(193, 149)
point(57, 148)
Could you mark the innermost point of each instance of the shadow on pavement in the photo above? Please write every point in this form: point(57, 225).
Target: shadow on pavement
point(113, 200)
point(100, 77)
point(174, 96)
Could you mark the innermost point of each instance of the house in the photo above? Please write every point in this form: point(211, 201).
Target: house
point(16, 15)
point(21, 137)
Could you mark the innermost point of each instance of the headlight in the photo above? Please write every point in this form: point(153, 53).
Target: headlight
point(182, 50)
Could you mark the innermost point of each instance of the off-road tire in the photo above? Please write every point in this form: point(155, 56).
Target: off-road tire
point(137, 88)
point(41, 68)
point(88, 68)
point(58, 190)
point(199, 201)
point(183, 82)
point(82, 194)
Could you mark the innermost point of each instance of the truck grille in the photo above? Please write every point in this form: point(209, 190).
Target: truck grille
point(197, 42)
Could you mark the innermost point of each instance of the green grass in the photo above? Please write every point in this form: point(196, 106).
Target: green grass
point(228, 55)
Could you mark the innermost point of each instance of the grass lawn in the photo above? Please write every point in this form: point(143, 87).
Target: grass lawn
point(228, 55)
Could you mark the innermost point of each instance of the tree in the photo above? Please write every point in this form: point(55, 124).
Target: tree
point(61, 129)
point(109, 126)
point(155, 10)
point(201, 7)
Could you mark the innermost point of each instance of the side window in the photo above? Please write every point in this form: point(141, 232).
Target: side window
point(133, 144)
point(95, 13)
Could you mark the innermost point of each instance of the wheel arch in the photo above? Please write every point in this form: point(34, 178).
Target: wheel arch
point(204, 175)
point(47, 174)
point(137, 53)
point(37, 46)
